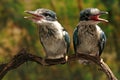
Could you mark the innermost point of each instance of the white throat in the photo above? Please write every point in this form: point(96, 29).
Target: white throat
point(55, 26)
point(90, 22)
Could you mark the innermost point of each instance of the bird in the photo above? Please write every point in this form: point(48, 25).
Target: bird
point(88, 37)
point(53, 37)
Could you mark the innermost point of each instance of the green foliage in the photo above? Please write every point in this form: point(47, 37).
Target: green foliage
point(17, 32)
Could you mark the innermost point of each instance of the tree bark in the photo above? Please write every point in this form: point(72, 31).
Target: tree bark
point(24, 56)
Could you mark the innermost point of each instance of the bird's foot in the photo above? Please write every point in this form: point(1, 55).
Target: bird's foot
point(66, 58)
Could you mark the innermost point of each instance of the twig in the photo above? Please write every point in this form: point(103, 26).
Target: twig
point(24, 56)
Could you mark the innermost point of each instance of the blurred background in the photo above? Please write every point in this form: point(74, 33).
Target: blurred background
point(17, 33)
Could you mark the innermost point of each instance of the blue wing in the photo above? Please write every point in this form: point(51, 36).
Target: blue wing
point(102, 42)
point(67, 39)
point(75, 38)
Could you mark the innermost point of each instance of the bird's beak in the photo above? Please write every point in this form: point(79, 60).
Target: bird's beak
point(103, 12)
point(34, 16)
point(97, 17)
point(101, 19)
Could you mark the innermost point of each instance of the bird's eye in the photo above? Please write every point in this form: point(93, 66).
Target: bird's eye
point(87, 14)
point(45, 14)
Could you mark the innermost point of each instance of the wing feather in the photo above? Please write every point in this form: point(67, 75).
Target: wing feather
point(102, 42)
point(67, 38)
point(75, 38)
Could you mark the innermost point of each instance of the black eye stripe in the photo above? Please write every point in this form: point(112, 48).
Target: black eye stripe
point(46, 14)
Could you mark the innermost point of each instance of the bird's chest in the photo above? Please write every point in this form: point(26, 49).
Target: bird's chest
point(51, 38)
point(88, 39)
point(50, 32)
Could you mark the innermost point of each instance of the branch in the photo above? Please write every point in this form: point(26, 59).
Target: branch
point(24, 56)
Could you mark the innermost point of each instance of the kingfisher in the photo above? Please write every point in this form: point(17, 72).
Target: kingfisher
point(88, 37)
point(53, 37)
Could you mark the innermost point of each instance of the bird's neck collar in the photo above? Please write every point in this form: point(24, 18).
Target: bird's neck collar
point(51, 24)
point(89, 22)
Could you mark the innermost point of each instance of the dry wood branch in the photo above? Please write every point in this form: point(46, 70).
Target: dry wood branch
point(24, 56)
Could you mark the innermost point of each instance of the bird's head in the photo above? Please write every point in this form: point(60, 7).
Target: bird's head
point(92, 14)
point(41, 16)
